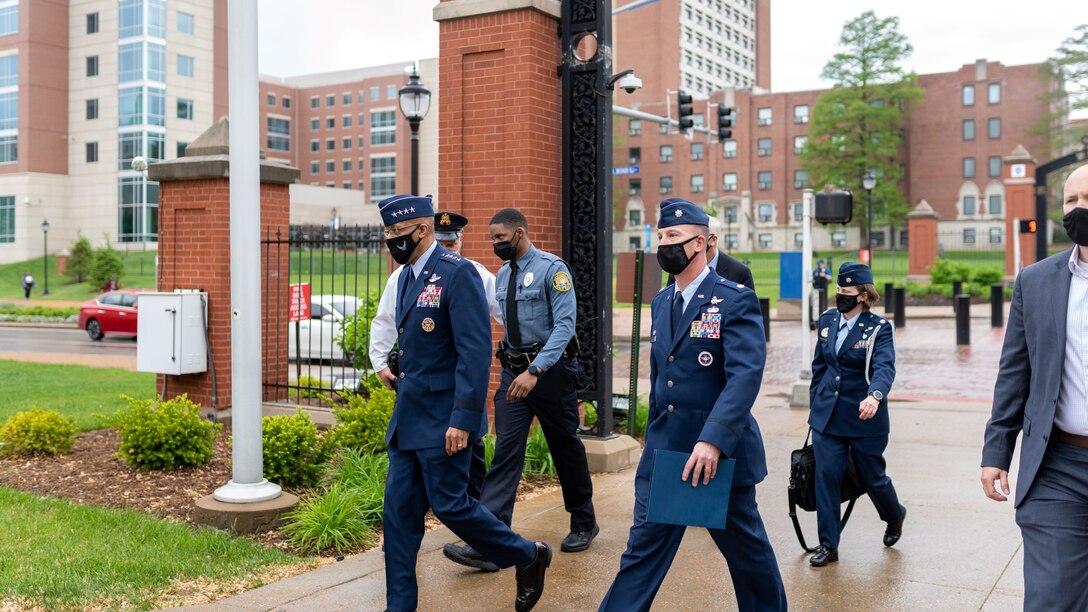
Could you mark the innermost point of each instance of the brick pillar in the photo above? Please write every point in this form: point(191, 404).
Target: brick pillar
point(1018, 174)
point(194, 253)
point(922, 241)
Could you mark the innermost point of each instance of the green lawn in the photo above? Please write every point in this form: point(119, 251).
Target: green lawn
point(57, 554)
point(139, 274)
point(75, 391)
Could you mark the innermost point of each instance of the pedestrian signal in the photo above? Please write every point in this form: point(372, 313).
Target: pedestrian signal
point(1028, 226)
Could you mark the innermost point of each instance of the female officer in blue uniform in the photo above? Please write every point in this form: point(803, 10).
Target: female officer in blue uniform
point(852, 372)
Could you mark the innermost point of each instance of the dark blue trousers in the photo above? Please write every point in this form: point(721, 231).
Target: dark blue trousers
point(1053, 519)
point(868, 455)
point(651, 548)
point(554, 403)
point(429, 478)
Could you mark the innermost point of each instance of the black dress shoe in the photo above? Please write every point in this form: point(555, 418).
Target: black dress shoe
point(893, 532)
point(467, 555)
point(531, 578)
point(823, 556)
point(577, 541)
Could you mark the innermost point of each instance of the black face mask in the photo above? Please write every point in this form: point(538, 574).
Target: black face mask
point(674, 258)
point(506, 250)
point(1076, 225)
point(845, 303)
point(402, 247)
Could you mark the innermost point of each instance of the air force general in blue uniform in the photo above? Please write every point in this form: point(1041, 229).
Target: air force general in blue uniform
point(445, 337)
point(852, 372)
point(706, 365)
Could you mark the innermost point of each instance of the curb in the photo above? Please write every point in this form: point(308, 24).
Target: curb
point(39, 325)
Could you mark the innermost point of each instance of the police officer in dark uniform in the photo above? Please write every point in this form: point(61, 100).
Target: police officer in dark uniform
point(444, 341)
point(852, 372)
point(706, 364)
point(539, 378)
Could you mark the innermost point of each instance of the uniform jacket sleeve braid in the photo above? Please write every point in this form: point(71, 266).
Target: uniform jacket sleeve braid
point(880, 360)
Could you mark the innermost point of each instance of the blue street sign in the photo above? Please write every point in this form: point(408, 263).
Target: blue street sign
point(621, 170)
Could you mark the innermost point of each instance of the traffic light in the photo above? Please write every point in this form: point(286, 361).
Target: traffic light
point(725, 122)
point(1028, 226)
point(684, 111)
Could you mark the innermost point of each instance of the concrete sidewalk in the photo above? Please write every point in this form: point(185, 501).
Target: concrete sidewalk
point(959, 550)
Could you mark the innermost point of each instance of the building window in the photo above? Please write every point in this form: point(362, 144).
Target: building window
point(799, 143)
point(362, 164)
point(91, 152)
point(665, 154)
point(634, 217)
point(346, 98)
point(346, 185)
point(346, 165)
point(390, 92)
point(763, 147)
point(287, 101)
point(270, 99)
point(993, 93)
point(279, 134)
point(362, 99)
point(7, 219)
point(346, 121)
point(9, 111)
point(634, 155)
point(315, 168)
point(330, 123)
point(92, 23)
point(697, 184)
point(383, 129)
point(765, 241)
point(180, 148)
point(800, 113)
point(138, 209)
point(994, 164)
point(662, 128)
point(330, 144)
point(729, 181)
point(798, 239)
point(315, 146)
point(314, 101)
point(730, 213)
point(185, 69)
point(765, 180)
point(131, 106)
point(315, 125)
point(634, 187)
point(994, 202)
point(969, 205)
point(993, 128)
point(729, 149)
point(968, 129)
point(346, 145)
point(92, 65)
point(968, 95)
point(383, 177)
point(995, 235)
point(838, 239)
point(634, 127)
point(666, 184)
point(362, 117)
point(330, 100)
point(186, 23)
point(730, 241)
point(156, 63)
point(375, 94)
point(91, 108)
point(697, 151)
point(764, 116)
point(131, 18)
point(185, 108)
point(330, 167)
point(131, 62)
point(800, 179)
point(968, 167)
point(766, 213)
point(9, 19)
point(969, 235)
point(362, 141)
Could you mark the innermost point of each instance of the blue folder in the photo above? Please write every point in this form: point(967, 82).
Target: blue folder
point(675, 502)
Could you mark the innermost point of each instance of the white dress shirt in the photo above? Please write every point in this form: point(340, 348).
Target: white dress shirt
point(1072, 411)
point(689, 291)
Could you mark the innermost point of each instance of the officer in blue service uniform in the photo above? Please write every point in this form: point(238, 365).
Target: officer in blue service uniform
point(852, 372)
point(706, 365)
point(539, 379)
point(444, 339)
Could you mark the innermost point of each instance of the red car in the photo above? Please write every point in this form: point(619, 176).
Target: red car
point(110, 313)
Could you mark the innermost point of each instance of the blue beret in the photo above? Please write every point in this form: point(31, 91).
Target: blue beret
point(853, 274)
point(678, 211)
point(448, 226)
point(403, 207)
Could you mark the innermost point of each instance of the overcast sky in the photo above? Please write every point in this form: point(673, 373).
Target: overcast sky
point(342, 34)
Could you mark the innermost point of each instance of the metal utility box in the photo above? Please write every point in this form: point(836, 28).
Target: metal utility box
point(170, 333)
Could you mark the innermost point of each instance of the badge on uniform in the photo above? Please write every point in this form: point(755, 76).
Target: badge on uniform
point(561, 281)
point(708, 326)
point(823, 333)
point(858, 344)
point(430, 298)
point(705, 359)
point(428, 325)
point(528, 279)
point(434, 278)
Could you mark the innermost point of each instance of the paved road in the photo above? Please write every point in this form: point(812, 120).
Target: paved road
point(63, 341)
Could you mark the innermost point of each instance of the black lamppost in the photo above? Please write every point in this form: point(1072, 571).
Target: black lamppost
point(415, 101)
point(869, 182)
point(45, 248)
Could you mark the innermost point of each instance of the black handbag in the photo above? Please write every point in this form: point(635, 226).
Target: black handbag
point(802, 490)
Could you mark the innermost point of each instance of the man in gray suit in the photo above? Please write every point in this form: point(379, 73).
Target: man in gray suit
point(1042, 390)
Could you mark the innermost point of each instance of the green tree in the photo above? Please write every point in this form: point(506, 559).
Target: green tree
point(107, 263)
point(81, 260)
point(1065, 80)
point(856, 125)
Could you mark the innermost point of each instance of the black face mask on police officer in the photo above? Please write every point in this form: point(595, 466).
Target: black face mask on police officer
point(402, 252)
point(506, 250)
point(1076, 225)
point(845, 303)
point(674, 258)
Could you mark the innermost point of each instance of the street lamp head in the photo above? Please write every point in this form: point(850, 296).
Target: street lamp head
point(414, 98)
point(139, 164)
point(869, 180)
point(45, 226)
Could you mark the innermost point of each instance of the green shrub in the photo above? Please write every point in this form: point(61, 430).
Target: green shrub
point(922, 290)
point(158, 435)
point(642, 416)
point(489, 449)
point(538, 459)
point(589, 419)
point(944, 271)
point(107, 263)
point(80, 261)
point(330, 520)
point(37, 431)
point(355, 340)
point(312, 381)
point(294, 455)
point(365, 475)
point(989, 275)
point(362, 423)
point(39, 311)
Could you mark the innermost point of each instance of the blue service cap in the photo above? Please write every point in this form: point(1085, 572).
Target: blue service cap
point(678, 211)
point(853, 274)
point(448, 226)
point(403, 207)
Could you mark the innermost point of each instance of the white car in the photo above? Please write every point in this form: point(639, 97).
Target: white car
point(317, 335)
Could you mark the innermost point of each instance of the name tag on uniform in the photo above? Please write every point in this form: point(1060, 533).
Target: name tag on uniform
point(430, 298)
point(708, 326)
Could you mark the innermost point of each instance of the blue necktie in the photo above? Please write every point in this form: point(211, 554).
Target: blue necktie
point(677, 311)
point(844, 330)
point(403, 296)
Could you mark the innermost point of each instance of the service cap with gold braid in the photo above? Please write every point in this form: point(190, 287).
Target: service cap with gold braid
point(448, 226)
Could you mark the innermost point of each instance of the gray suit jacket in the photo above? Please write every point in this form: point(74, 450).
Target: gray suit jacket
point(1030, 373)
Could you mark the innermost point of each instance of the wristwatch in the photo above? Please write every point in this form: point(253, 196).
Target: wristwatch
point(877, 395)
point(535, 370)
